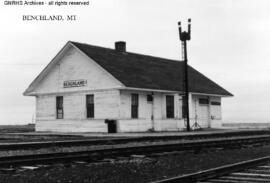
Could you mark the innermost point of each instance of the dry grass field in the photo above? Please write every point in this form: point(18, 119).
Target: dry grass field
point(17, 128)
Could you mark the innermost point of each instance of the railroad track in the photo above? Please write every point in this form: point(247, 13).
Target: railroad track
point(111, 141)
point(125, 151)
point(252, 171)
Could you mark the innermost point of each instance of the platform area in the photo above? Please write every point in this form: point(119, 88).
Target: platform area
point(144, 134)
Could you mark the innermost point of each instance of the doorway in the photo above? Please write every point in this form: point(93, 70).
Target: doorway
point(202, 108)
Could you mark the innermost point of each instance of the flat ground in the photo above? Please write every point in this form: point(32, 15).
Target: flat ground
point(122, 170)
point(17, 128)
point(26, 133)
point(133, 170)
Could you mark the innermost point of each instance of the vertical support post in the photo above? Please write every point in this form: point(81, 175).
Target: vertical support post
point(186, 85)
point(152, 112)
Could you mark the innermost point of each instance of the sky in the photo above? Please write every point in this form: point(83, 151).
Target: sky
point(230, 44)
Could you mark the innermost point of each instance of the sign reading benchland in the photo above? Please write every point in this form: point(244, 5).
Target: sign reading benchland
point(75, 83)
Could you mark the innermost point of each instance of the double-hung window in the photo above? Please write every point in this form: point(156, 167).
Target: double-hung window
point(59, 107)
point(90, 107)
point(170, 106)
point(134, 105)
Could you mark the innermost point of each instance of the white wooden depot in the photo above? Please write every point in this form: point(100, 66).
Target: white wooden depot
point(112, 100)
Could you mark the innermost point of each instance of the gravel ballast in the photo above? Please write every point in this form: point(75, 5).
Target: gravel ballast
point(135, 169)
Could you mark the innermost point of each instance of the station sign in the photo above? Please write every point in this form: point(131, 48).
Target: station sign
point(75, 83)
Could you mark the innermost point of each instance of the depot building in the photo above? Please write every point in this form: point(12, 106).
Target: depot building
point(88, 88)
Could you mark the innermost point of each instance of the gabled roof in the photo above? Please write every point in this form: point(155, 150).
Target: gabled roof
point(148, 72)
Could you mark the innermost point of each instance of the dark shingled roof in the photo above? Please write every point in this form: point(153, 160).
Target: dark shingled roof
point(141, 71)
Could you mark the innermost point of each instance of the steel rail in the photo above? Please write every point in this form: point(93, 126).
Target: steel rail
point(86, 142)
point(216, 172)
point(118, 150)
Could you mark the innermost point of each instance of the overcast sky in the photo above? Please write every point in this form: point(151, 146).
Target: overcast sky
point(230, 44)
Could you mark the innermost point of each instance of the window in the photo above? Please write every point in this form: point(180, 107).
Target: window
point(134, 105)
point(215, 103)
point(90, 108)
point(59, 107)
point(149, 98)
point(170, 106)
point(203, 101)
point(215, 110)
point(184, 111)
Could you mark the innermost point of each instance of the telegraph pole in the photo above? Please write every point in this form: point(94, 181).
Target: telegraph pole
point(184, 37)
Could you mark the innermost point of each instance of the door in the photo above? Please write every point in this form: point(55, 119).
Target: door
point(150, 109)
point(203, 117)
point(180, 108)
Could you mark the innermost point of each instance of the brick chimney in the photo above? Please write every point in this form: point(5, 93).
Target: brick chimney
point(120, 46)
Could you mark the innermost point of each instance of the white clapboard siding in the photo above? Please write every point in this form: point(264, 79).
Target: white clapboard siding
point(75, 66)
point(106, 107)
point(72, 126)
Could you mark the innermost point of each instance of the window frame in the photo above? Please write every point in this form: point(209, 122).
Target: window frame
point(203, 101)
point(59, 107)
point(215, 103)
point(134, 106)
point(184, 110)
point(150, 98)
point(90, 106)
point(170, 108)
